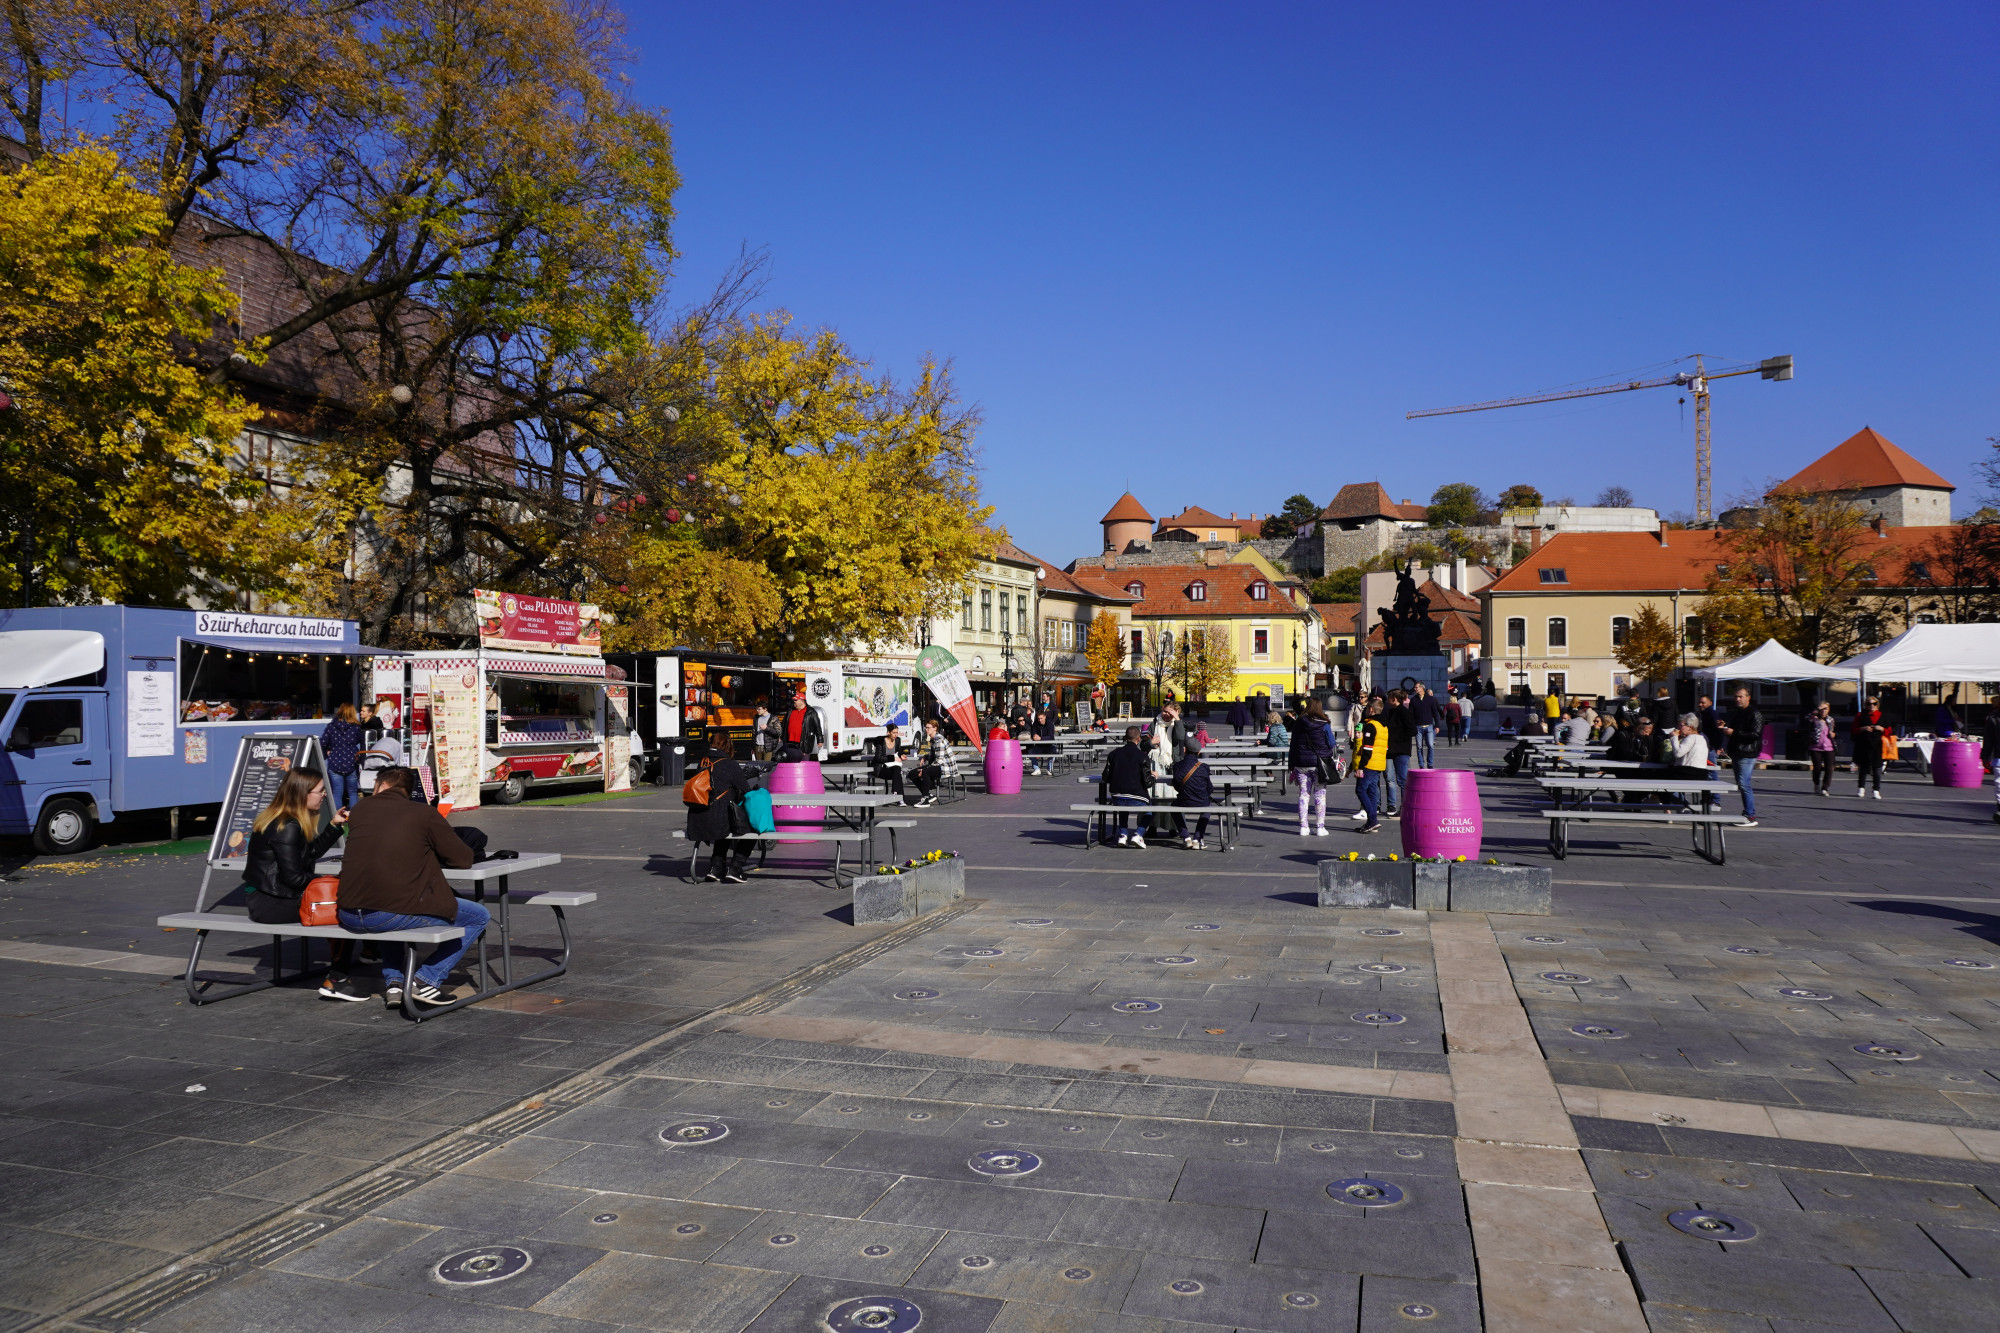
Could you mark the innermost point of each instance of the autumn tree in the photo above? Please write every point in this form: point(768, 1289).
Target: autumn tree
point(1652, 645)
point(1298, 511)
point(1793, 574)
point(1457, 504)
point(1521, 496)
point(115, 477)
point(1104, 651)
point(1959, 571)
point(1212, 662)
point(1615, 497)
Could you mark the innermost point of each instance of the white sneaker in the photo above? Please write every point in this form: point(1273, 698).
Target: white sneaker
point(1304, 832)
point(1878, 793)
point(1860, 792)
point(1320, 832)
point(1359, 814)
point(1139, 841)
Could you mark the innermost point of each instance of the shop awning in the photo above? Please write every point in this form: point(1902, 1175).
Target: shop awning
point(307, 647)
point(1774, 661)
point(1934, 652)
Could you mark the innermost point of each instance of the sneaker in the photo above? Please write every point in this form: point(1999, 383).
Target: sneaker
point(1139, 841)
point(1124, 840)
point(1748, 823)
point(1370, 828)
point(426, 993)
point(1191, 844)
point(342, 988)
point(1359, 814)
point(1878, 793)
point(733, 878)
point(1304, 832)
point(1860, 792)
point(925, 803)
point(712, 877)
point(393, 997)
point(1320, 832)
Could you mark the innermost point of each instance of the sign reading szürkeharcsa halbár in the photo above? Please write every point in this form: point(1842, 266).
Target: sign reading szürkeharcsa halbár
point(242, 625)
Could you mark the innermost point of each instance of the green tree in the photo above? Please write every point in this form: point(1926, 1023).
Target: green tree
point(1652, 647)
point(1342, 585)
point(1457, 504)
point(1522, 496)
point(1299, 510)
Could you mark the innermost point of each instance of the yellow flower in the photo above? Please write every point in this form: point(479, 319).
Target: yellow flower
point(1393, 856)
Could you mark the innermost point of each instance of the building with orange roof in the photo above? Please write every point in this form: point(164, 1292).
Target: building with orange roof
point(1127, 525)
point(1195, 524)
point(1270, 621)
point(1882, 478)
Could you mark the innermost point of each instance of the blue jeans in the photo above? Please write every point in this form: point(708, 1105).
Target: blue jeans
point(1397, 776)
point(1744, 768)
point(438, 966)
point(1124, 798)
point(1427, 747)
point(1368, 786)
point(344, 789)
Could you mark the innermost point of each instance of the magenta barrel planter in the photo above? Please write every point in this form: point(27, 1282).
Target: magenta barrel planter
point(1003, 767)
point(1955, 763)
point(1441, 815)
point(801, 776)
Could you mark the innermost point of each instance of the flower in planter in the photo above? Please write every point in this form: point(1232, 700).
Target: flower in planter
point(1460, 856)
point(1393, 856)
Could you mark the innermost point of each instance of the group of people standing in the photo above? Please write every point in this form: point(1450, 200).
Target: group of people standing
point(1395, 732)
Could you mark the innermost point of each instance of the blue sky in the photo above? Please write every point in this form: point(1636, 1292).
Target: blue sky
point(1214, 253)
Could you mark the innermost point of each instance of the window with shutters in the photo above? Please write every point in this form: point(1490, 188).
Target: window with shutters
point(986, 609)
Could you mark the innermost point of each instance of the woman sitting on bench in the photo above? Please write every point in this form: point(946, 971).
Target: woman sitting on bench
point(280, 864)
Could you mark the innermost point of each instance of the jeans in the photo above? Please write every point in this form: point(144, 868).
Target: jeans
point(1744, 768)
point(344, 788)
point(1427, 747)
point(1397, 776)
point(438, 966)
point(1124, 821)
point(1368, 786)
point(1200, 825)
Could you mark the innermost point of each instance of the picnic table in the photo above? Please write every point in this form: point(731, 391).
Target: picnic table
point(857, 810)
point(1574, 805)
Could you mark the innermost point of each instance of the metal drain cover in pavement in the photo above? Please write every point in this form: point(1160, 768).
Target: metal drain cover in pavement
point(874, 1314)
point(694, 1131)
point(1363, 1192)
point(1034, 921)
point(1381, 930)
point(491, 1263)
point(1137, 1006)
point(1711, 1225)
point(1545, 939)
point(1004, 1162)
point(1567, 978)
point(1801, 993)
point(1206, 925)
point(1884, 1051)
point(1598, 1032)
point(1746, 949)
point(1377, 1017)
point(1417, 1310)
point(1176, 959)
point(984, 953)
point(1382, 969)
point(1967, 962)
point(917, 994)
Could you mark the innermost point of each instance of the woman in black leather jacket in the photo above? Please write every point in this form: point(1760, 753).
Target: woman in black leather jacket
point(281, 855)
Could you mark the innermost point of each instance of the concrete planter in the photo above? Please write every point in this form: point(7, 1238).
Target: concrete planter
point(1433, 885)
point(905, 897)
point(1526, 890)
point(1366, 884)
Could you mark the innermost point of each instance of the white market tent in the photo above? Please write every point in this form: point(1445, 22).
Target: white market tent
point(1933, 652)
point(1774, 661)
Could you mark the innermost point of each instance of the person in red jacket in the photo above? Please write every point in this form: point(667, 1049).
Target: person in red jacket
point(1868, 729)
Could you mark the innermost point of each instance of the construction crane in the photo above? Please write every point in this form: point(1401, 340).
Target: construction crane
point(1696, 381)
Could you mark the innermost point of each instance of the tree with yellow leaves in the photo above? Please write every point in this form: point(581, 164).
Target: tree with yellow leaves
point(115, 480)
point(1104, 651)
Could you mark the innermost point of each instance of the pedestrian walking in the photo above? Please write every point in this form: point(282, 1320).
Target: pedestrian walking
point(342, 742)
point(1819, 747)
point(1454, 721)
point(1872, 735)
point(1552, 708)
point(1402, 736)
point(1742, 741)
point(1428, 715)
point(1371, 761)
point(1239, 717)
point(1311, 759)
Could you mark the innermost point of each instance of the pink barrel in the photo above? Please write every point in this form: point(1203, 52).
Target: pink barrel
point(801, 776)
point(1441, 815)
point(1003, 767)
point(1955, 763)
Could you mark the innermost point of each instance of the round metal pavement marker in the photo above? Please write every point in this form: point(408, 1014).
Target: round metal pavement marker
point(1377, 1018)
point(1381, 969)
point(1175, 960)
point(1004, 1162)
point(1882, 1050)
point(701, 1130)
point(1599, 1032)
point(875, 1314)
point(1417, 1310)
point(1186, 1286)
point(916, 993)
point(1967, 962)
point(1137, 1006)
point(1545, 939)
point(1365, 1192)
point(1567, 978)
point(1747, 950)
point(1206, 925)
point(1802, 993)
point(1034, 921)
point(1711, 1225)
point(1381, 930)
point(983, 953)
point(489, 1263)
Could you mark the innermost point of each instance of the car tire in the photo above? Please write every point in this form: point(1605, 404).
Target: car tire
point(512, 790)
point(65, 825)
point(638, 770)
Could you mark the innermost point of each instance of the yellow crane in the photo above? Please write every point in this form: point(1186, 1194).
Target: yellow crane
point(1696, 381)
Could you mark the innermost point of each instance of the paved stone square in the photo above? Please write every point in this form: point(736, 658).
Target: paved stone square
point(1119, 1090)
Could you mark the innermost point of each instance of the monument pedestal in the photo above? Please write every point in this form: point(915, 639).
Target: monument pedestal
point(1398, 671)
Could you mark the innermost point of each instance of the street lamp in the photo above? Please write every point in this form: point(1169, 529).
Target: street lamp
point(1295, 661)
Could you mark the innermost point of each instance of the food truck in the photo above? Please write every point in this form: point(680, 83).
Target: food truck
point(684, 695)
point(535, 703)
point(856, 700)
point(110, 710)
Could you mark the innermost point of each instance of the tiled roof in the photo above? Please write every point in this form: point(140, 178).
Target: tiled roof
point(1637, 562)
point(1863, 459)
point(1194, 516)
point(1127, 510)
point(1362, 499)
point(1412, 513)
point(1339, 617)
point(1014, 555)
point(1079, 584)
point(1166, 592)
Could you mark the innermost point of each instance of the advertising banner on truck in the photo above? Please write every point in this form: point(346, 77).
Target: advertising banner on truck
point(538, 624)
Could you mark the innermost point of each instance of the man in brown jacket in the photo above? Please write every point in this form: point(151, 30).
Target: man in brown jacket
point(392, 878)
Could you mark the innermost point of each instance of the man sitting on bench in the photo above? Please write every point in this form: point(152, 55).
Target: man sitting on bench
point(393, 879)
point(1128, 774)
point(1191, 787)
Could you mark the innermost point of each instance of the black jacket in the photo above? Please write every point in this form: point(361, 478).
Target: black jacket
point(1312, 741)
point(812, 732)
point(1746, 732)
point(1126, 771)
point(728, 783)
point(281, 859)
point(1665, 716)
point(1191, 782)
point(1402, 729)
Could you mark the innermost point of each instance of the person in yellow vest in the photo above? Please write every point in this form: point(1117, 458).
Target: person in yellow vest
point(1371, 758)
point(1552, 709)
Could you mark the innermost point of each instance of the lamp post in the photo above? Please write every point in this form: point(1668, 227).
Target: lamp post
point(1163, 649)
point(1295, 661)
point(1006, 663)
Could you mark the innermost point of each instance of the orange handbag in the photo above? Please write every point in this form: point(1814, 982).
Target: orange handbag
point(1890, 747)
point(317, 904)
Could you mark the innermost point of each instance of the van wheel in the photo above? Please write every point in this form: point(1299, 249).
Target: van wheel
point(512, 790)
point(638, 770)
point(66, 825)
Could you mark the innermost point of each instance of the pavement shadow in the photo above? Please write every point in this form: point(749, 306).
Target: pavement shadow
point(1301, 897)
point(1982, 926)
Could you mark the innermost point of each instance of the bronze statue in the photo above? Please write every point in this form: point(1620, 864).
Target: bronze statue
point(1407, 628)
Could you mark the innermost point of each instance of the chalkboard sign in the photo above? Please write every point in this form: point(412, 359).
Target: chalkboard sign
point(261, 764)
point(1083, 718)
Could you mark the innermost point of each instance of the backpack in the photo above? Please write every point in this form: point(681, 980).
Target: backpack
point(758, 806)
point(319, 903)
point(696, 791)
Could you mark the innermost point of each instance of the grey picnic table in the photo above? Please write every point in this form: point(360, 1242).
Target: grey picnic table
point(1572, 794)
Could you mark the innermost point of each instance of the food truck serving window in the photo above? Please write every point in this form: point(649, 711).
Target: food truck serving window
point(236, 685)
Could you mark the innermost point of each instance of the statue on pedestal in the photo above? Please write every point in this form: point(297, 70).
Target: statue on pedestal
point(1407, 627)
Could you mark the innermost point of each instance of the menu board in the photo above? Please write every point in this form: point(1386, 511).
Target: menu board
point(543, 624)
point(261, 764)
point(456, 723)
point(1083, 718)
point(617, 738)
point(149, 714)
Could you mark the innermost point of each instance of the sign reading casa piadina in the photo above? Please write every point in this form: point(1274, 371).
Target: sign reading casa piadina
point(537, 624)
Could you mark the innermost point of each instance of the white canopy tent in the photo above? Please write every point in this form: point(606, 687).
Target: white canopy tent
point(1933, 652)
point(1773, 661)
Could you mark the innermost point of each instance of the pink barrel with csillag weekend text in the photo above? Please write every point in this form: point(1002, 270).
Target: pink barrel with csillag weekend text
point(1441, 815)
point(1003, 767)
point(800, 776)
point(1955, 763)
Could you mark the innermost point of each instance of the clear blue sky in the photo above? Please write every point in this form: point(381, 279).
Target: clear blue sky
point(1214, 253)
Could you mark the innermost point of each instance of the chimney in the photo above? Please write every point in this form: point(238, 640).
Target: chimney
point(1458, 574)
point(1876, 523)
point(1662, 534)
point(1232, 515)
point(1212, 556)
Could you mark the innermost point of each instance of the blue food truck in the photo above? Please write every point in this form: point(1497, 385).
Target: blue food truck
point(107, 710)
